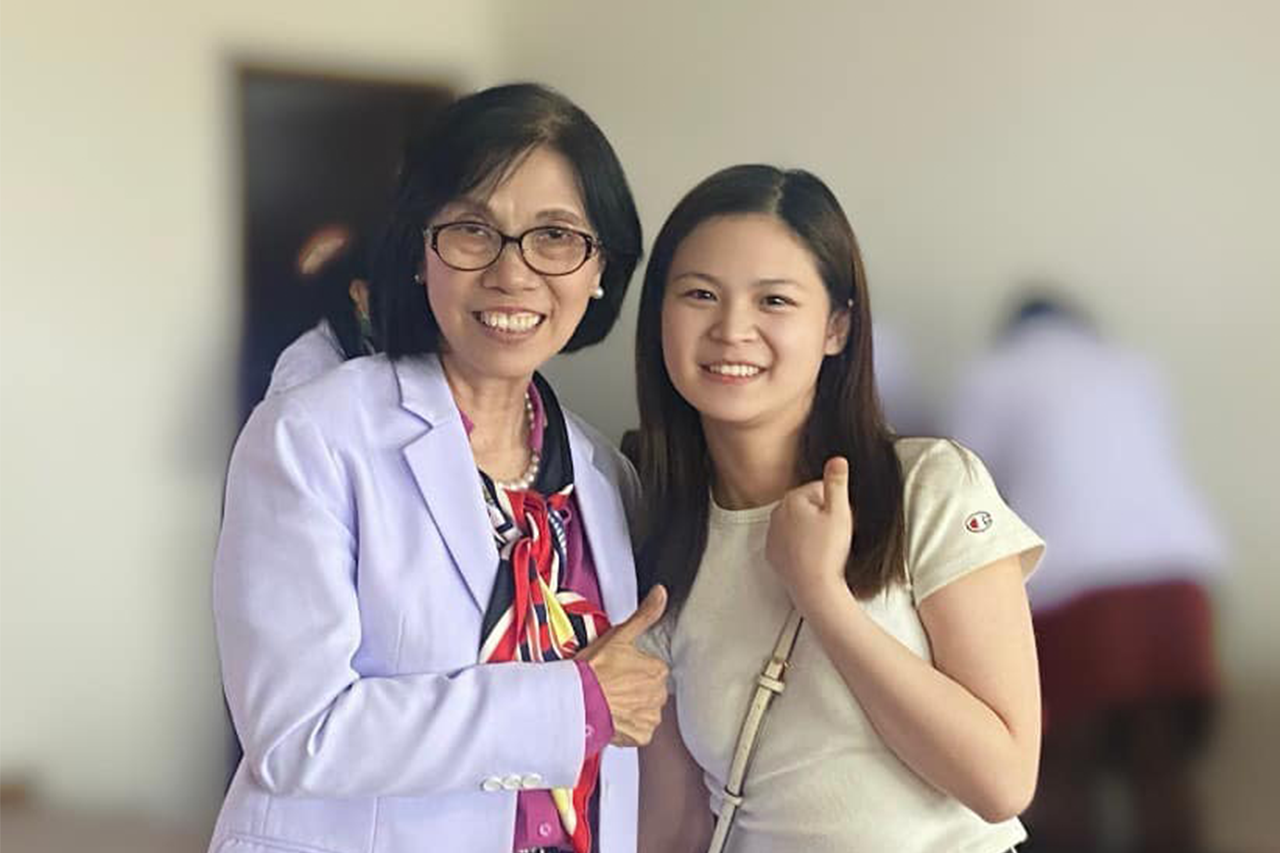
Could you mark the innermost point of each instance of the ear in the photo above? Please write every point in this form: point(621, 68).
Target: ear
point(837, 331)
point(358, 290)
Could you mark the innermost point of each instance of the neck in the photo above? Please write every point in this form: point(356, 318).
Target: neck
point(752, 465)
point(494, 405)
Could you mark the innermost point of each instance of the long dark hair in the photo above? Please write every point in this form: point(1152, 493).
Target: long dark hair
point(476, 142)
point(846, 418)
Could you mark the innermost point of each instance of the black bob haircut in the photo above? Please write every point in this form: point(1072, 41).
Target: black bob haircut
point(473, 144)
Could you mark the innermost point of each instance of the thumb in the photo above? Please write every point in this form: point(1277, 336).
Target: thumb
point(649, 612)
point(835, 484)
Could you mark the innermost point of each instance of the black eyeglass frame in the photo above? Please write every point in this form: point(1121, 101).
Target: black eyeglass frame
point(594, 246)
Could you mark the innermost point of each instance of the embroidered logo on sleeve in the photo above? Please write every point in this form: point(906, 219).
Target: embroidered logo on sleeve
point(979, 522)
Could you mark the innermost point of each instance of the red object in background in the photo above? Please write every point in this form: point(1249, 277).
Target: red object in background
point(1118, 647)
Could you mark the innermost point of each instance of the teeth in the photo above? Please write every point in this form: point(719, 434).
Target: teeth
point(734, 369)
point(504, 322)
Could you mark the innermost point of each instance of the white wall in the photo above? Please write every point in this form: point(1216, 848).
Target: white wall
point(1128, 148)
point(119, 337)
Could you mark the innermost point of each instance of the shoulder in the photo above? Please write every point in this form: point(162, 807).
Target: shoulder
point(940, 477)
point(955, 519)
point(937, 462)
point(348, 399)
point(312, 354)
point(607, 456)
point(359, 380)
point(613, 464)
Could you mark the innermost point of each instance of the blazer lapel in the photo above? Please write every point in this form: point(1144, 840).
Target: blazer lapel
point(605, 524)
point(445, 472)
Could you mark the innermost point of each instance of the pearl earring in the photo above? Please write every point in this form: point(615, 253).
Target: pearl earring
point(598, 293)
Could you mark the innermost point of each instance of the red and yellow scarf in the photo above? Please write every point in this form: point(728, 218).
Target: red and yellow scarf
point(531, 617)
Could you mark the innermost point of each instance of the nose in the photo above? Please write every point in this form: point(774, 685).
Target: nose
point(735, 322)
point(509, 272)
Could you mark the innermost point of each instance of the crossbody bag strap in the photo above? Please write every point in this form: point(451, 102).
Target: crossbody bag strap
point(769, 684)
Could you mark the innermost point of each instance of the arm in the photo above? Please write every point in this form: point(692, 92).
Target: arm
point(970, 723)
point(290, 626)
point(674, 813)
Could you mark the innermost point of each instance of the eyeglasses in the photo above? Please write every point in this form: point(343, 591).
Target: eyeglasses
point(547, 249)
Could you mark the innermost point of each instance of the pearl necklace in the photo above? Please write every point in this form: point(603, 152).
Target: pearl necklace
point(526, 480)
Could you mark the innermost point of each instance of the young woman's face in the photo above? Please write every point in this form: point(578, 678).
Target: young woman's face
point(746, 322)
point(506, 320)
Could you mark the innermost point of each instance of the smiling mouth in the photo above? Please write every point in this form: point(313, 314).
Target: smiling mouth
point(733, 370)
point(511, 322)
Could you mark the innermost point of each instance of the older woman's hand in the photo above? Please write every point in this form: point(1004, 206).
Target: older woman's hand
point(634, 683)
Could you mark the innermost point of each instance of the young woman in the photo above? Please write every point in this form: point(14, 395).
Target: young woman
point(910, 721)
point(423, 553)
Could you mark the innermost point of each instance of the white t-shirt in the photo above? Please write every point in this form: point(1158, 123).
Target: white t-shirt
point(821, 779)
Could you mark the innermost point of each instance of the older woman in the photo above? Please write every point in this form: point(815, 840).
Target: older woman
point(424, 556)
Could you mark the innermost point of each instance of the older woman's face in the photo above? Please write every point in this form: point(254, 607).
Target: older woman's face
point(505, 321)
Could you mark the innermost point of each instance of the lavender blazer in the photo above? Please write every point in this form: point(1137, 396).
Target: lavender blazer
point(354, 565)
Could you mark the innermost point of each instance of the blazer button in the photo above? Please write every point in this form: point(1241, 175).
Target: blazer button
point(531, 780)
point(493, 783)
point(512, 782)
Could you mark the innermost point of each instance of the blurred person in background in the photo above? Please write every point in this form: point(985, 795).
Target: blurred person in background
point(425, 562)
point(1080, 435)
point(333, 262)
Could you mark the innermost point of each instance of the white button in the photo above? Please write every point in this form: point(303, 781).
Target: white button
point(493, 783)
point(512, 782)
point(531, 780)
point(544, 830)
point(591, 731)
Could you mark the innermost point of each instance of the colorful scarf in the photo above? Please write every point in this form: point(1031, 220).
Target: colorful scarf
point(530, 617)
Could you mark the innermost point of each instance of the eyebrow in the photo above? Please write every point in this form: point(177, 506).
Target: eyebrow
point(560, 214)
point(551, 214)
point(468, 205)
point(758, 283)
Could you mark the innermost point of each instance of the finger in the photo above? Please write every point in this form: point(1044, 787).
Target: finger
point(649, 612)
point(835, 483)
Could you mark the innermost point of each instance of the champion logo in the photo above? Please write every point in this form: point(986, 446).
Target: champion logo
point(978, 522)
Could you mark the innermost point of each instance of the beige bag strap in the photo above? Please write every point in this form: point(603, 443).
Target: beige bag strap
point(769, 684)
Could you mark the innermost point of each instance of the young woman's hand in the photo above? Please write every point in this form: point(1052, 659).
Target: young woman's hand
point(811, 532)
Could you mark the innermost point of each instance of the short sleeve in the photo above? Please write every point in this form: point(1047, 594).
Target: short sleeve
point(956, 521)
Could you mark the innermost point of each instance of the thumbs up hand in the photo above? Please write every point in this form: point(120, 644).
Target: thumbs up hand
point(811, 533)
point(634, 683)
